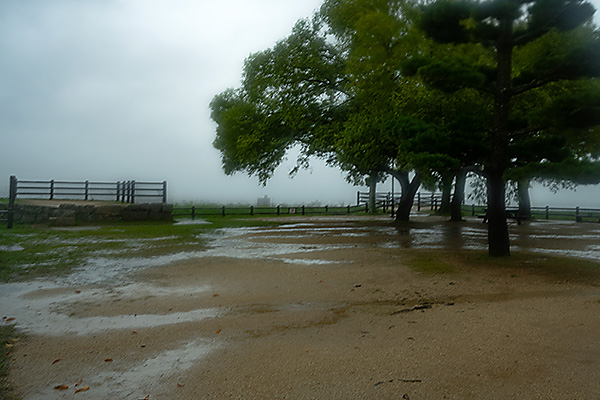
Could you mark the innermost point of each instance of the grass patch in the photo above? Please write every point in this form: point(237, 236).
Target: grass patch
point(568, 269)
point(28, 252)
point(7, 338)
point(431, 264)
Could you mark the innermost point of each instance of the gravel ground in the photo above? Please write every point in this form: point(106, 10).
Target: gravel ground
point(319, 309)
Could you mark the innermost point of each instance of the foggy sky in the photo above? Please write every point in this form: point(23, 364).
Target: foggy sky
point(119, 89)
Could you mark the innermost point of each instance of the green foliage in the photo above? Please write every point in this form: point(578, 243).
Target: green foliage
point(538, 45)
point(290, 95)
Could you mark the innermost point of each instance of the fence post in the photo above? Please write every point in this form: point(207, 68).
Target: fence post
point(11, 201)
point(419, 201)
point(52, 189)
point(251, 210)
point(223, 211)
point(547, 212)
point(472, 210)
point(193, 212)
point(358, 198)
point(164, 192)
point(87, 189)
point(132, 192)
point(326, 209)
point(431, 203)
point(348, 208)
point(278, 210)
point(303, 210)
point(577, 216)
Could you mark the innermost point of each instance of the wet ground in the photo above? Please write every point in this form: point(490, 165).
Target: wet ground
point(101, 299)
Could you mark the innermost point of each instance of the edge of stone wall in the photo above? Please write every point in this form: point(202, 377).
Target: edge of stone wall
point(75, 214)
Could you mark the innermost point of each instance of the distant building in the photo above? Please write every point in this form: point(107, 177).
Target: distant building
point(264, 202)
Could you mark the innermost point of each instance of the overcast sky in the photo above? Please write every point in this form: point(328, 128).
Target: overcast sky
point(119, 89)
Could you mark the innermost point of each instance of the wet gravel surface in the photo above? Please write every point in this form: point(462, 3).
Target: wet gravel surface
point(311, 310)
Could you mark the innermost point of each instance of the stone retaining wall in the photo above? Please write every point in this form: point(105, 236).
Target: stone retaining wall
point(73, 214)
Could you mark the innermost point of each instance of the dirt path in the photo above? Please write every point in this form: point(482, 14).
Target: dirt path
point(316, 310)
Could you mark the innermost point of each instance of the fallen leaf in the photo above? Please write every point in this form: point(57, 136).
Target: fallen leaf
point(61, 387)
point(216, 295)
point(55, 361)
point(108, 360)
point(180, 385)
point(171, 309)
point(10, 319)
point(78, 291)
point(134, 332)
point(218, 331)
point(9, 345)
point(82, 389)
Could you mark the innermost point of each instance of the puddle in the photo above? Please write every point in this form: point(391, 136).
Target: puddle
point(192, 222)
point(14, 247)
point(137, 381)
point(36, 307)
point(245, 243)
point(77, 228)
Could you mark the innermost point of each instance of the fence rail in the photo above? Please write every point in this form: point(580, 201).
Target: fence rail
point(123, 191)
point(578, 214)
point(199, 211)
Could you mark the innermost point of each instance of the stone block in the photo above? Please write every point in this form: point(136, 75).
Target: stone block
point(62, 221)
point(112, 210)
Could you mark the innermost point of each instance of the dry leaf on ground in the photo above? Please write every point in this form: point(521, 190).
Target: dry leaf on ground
point(82, 389)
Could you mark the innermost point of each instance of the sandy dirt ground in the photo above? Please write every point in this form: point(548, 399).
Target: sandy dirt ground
point(319, 309)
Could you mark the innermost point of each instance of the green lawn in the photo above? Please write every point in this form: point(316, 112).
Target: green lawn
point(27, 252)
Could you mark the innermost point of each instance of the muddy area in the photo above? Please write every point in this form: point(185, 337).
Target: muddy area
point(316, 308)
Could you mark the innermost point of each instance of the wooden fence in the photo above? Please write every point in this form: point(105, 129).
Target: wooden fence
point(200, 211)
point(123, 191)
point(387, 201)
point(120, 191)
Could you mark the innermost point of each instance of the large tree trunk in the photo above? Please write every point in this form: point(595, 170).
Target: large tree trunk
point(409, 190)
point(498, 241)
point(373, 193)
point(459, 196)
point(446, 195)
point(524, 199)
